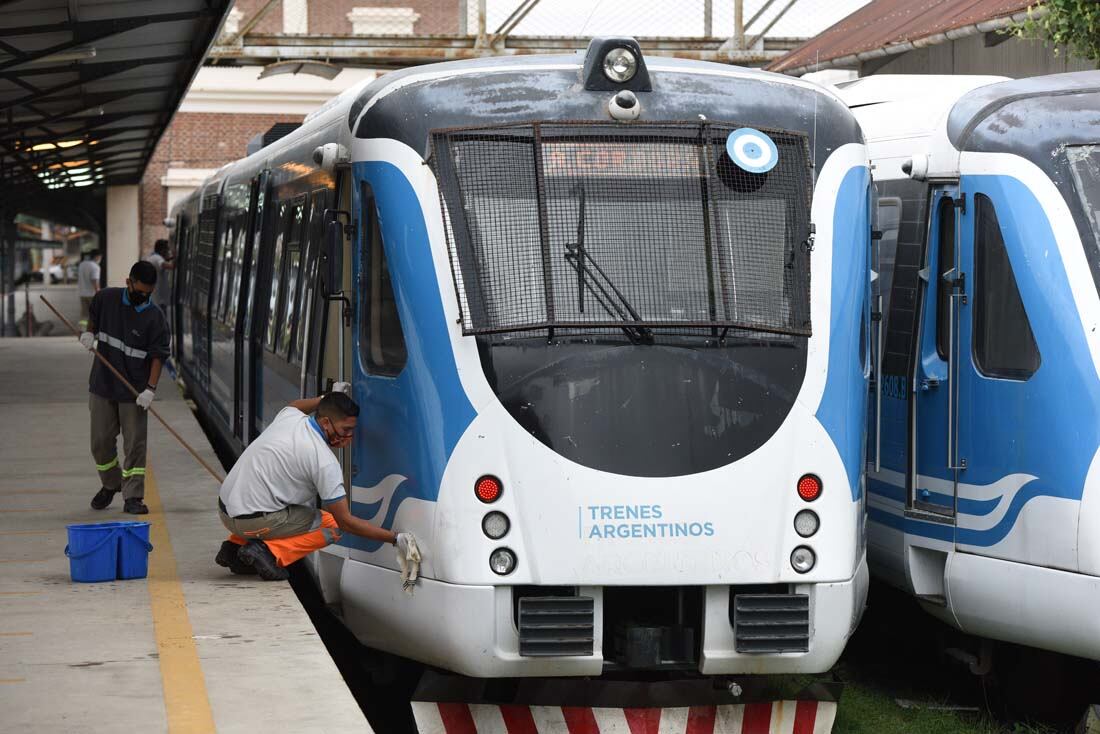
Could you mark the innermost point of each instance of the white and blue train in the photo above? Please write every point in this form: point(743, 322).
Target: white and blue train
point(607, 322)
point(985, 499)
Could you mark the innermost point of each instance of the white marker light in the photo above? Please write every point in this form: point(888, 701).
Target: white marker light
point(502, 561)
point(620, 65)
point(806, 523)
point(802, 559)
point(495, 525)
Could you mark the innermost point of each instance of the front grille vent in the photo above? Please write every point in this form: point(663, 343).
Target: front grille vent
point(771, 623)
point(555, 626)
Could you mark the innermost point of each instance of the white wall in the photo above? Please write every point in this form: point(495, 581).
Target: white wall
point(123, 232)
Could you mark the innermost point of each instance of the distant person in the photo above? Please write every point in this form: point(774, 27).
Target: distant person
point(267, 502)
point(132, 334)
point(161, 259)
point(87, 283)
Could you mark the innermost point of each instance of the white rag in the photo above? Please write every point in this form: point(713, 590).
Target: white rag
point(409, 561)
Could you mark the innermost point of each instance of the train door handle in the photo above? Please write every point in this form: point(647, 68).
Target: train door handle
point(924, 494)
point(929, 383)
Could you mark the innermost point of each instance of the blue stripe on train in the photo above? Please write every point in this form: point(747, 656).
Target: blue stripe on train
point(844, 402)
point(409, 424)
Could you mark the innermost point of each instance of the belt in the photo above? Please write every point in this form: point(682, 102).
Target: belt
point(249, 516)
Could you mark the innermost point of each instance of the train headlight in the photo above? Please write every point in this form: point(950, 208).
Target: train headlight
point(806, 523)
point(620, 65)
point(488, 489)
point(502, 561)
point(803, 559)
point(495, 525)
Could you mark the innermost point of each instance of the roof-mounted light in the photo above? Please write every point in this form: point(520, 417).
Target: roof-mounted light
point(620, 65)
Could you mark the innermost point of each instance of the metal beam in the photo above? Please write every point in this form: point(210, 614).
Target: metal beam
point(99, 71)
point(89, 31)
point(510, 23)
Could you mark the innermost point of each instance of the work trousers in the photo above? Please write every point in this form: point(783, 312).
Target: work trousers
point(291, 533)
point(108, 418)
point(85, 306)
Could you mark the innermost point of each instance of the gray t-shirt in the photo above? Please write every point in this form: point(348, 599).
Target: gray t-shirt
point(161, 289)
point(290, 463)
point(87, 278)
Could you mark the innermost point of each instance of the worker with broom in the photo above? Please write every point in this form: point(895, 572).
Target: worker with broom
point(125, 328)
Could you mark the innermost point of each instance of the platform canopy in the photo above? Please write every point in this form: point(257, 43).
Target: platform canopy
point(87, 87)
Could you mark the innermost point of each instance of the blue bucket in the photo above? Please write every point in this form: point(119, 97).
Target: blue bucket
point(93, 552)
point(133, 550)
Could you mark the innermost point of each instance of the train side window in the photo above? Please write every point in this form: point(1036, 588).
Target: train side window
point(945, 262)
point(289, 300)
point(1004, 345)
point(276, 273)
point(381, 338)
point(307, 309)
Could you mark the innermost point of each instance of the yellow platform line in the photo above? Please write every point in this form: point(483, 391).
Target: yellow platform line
point(28, 532)
point(185, 700)
point(28, 509)
point(12, 680)
point(16, 634)
point(19, 593)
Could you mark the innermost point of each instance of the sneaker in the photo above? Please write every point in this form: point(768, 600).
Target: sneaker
point(103, 498)
point(135, 506)
point(259, 556)
point(227, 558)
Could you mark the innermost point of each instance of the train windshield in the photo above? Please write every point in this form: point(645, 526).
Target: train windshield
point(636, 228)
point(1084, 162)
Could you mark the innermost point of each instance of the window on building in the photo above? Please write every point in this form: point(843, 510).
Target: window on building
point(381, 339)
point(368, 21)
point(1004, 345)
point(945, 265)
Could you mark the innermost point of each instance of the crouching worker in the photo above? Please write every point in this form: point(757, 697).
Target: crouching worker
point(267, 501)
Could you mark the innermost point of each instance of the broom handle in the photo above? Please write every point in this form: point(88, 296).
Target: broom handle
point(126, 382)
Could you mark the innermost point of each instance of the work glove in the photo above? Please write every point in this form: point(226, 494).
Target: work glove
point(408, 558)
point(87, 340)
point(344, 387)
point(146, 398)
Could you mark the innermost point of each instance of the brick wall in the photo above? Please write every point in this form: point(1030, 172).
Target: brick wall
point(330, 17)
point(194, 140)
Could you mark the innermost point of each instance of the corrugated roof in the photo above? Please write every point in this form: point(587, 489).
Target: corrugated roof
point(88, 86)
point(884, 23)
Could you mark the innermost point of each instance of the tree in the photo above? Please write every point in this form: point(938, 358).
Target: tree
point(1070, 24)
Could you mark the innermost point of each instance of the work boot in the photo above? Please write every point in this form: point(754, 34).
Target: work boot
point(256, 554)
point(227, 558)
point(135, 506)
point(103, 498)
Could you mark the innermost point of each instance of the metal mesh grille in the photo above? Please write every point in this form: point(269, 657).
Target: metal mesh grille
point(626, 226)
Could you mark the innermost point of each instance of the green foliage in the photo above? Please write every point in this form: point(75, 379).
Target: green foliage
point(1069, 24)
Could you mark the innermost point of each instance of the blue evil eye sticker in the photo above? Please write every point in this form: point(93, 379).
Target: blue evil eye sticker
point(752, 150)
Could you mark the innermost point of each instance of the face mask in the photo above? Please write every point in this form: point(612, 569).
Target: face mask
point(136, 297)
point(334, 435)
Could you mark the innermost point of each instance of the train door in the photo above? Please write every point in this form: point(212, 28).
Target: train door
point(935, 400)
point(251, 314)
point(998, 400)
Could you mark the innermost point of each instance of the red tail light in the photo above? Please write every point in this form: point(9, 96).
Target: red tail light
point(488, 489)
point(809, 487)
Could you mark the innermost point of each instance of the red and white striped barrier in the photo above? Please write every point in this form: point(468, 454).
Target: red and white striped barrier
point(779, 717)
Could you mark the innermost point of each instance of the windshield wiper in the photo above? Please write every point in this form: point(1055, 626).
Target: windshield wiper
point(589, 275)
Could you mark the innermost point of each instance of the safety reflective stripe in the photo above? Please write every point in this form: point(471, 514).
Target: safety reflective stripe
point(119, 345)
point(137, 471)
point(109, 465)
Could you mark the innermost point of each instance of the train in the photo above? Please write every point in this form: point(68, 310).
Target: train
point(984, 481)
point(607, 319)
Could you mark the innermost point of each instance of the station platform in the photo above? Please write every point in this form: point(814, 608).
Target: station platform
point(191, 648)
